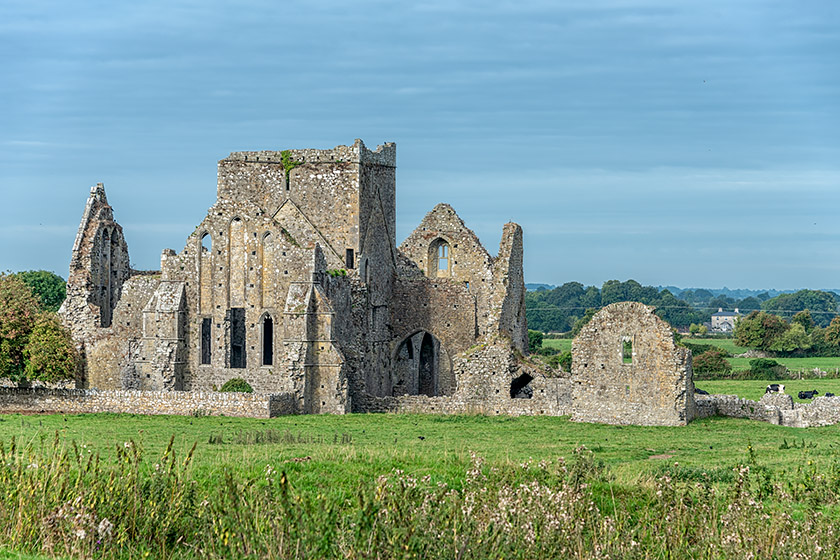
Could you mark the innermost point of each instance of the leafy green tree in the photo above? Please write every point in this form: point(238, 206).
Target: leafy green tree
point(759, 330)
point(591, 298)
point(793, 339)
point(18, 313)
point(804, 318)
point(676, 312)
point(535, 340)
point(50, 353)
point(832, 332)
point(49, 288)
point(698, 329)
point(711, 362)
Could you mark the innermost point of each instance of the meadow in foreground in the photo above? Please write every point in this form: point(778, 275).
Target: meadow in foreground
point(385, 486)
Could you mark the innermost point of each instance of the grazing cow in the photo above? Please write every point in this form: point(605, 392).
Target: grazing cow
point(829, 394)
point(700, 391)
point(808, 394)
point(775, 388)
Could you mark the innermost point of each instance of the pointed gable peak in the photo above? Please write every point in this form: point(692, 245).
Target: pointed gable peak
point(443, 210)
point(97, 193)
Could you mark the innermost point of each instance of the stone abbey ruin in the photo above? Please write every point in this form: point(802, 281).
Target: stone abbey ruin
point(295, 283)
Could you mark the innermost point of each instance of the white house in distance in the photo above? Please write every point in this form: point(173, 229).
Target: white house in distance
point(724, 321)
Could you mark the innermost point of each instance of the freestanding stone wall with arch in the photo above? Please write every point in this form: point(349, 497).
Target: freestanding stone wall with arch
point(627, 369)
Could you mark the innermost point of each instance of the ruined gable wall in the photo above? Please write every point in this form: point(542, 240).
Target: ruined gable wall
point(469, 263)
point(655, 389)
point(98, 267)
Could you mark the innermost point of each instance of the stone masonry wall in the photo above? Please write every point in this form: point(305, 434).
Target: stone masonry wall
point(507, 307)
point(442, 307)
point(112, 351)
point(654, 387)
point(80, 401)
point(485, 375)
point(775, 408)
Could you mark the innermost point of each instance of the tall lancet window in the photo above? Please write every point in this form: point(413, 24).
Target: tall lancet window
point(267, 341)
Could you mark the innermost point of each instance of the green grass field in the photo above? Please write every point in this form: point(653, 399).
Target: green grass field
point(407, 486)
point(561, 344)
point(361, 486)
point(727, 344)
point(379, 443)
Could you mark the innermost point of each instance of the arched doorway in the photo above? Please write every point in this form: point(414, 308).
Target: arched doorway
point(427, 371)
point(421, 366)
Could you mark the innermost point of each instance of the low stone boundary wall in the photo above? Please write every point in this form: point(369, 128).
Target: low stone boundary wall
point(555, 405)
point(182, 403)
point(775, 408)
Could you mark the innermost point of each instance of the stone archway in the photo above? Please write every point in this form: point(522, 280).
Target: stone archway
point(421, 366)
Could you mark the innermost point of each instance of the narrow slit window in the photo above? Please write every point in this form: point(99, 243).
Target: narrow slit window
point(268, 341)
point(627, 351)
point(206, 325)
point(237, 337)
point(348, 258)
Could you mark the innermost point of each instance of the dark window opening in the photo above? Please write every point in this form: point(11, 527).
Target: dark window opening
point(627, 351)
point(268, 342)
point(237, 337)
point(520, 387)
point(348, 258)
point(426, 385)
point(206, 325)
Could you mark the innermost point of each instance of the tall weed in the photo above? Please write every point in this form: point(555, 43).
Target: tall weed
point(62, 500)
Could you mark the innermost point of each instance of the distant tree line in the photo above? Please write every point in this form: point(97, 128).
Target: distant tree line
point(801, 336)
point(568, 307)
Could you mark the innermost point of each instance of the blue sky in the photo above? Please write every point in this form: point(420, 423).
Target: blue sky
point(682, 143)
